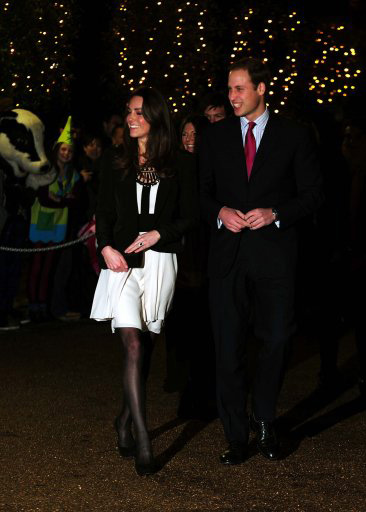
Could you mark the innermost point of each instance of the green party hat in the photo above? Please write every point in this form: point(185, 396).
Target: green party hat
point(66, 135)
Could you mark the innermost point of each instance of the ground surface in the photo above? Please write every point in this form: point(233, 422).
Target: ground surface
point(60, 390)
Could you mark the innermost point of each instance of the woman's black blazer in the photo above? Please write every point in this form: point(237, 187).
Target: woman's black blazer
point(176, 209)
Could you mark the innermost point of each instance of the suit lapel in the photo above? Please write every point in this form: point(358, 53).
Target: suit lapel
point(234, 148)
point(269, 140)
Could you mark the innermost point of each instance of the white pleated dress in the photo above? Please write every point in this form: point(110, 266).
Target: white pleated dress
point(140, 297)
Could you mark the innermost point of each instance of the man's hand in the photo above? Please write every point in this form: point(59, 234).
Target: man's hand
point(233, 220)
point(114, 259)
point(259, 217)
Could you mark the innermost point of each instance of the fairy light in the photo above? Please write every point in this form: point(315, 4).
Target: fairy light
point(171, 53)
point(337, 75)
point(279, 28)
point(170, 47)
point(43, 57)
point(336, 67)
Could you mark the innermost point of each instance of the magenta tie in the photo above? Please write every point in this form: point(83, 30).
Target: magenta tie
point(250, 147)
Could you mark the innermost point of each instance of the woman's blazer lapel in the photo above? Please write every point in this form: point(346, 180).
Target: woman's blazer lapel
point(126, 195)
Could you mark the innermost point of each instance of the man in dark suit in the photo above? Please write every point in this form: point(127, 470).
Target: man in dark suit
point(259, 175)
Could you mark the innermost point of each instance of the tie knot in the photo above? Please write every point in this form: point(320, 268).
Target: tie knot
point(251, 125)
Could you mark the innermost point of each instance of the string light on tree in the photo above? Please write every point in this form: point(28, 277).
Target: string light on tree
point(36, 58)
point(274, 38)
point(336, 67)
point(164, 44)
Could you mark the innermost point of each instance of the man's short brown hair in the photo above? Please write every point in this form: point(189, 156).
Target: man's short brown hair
point(257, 70)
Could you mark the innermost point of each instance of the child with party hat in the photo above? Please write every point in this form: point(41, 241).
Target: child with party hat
point(52, 222)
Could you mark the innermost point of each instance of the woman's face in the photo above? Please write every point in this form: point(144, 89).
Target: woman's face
point(189, 137)
point(137, 124)
point(94, 149)
point(65, 153)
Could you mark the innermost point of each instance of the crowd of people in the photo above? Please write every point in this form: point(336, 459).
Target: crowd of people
point(78, 157)
point(263, 181)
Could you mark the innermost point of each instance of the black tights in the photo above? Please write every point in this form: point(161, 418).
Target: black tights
point(137, 350)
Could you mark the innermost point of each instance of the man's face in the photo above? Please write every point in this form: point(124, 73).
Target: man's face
point(215, 114)
point(245, 98)
point(94, 149)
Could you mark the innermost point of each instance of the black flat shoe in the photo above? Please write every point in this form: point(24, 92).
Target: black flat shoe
point(125, 451)
point(236, 453)
point(146, 468)
point(266, 439)
point(128, 452)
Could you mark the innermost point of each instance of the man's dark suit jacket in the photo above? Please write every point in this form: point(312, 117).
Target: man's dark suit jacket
point(285, 176)
point(176, 209)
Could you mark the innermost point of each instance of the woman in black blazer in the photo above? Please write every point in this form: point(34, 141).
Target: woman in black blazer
point(146, 205)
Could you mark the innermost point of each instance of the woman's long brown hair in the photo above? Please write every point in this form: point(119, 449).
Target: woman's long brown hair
point(161, 142)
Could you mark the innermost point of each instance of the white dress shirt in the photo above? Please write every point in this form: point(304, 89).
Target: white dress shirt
point(152, 201)
point(258, 130)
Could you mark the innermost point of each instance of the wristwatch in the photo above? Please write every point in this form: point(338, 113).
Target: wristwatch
point(275, 214)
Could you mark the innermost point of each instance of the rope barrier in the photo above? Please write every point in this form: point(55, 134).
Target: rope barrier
point(50, 248)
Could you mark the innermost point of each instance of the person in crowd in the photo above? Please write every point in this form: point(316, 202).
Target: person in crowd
point(15, 203)
point(191, 130)
point(190, 355)
point(326, 268)
point(13, 233)
point(346, 269)
point(259, 175)
point(53, 218)
point(354, 151)
point(117, 136)
point(115, 150)
point(91, 161)
point(89, 166)
point(145, 207)
point(216, 107)
point(110, 120)
point(189, 136)
point(91, 152)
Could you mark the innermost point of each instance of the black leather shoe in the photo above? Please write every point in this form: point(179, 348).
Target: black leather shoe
point(125, 451)
point(236, 453)
point(267, 442)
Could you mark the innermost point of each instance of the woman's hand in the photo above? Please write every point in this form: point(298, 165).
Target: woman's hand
point(144, 242)
point(114, 259)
